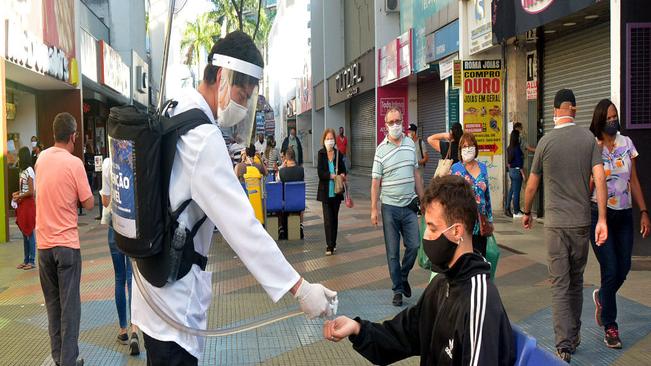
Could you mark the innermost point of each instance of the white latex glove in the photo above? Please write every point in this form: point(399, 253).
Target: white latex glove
point(316, 300)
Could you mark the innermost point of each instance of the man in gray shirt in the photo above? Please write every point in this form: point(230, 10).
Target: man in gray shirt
point(566, 157)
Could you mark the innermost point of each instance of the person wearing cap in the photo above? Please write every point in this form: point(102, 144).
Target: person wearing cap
point(202, 172)
point(566, 157)
point(421, 150)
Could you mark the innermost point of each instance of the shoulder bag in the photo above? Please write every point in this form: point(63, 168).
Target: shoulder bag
point(339, 180)
point(444, 165)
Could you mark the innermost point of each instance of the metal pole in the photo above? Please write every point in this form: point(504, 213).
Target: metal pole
point(166, 51)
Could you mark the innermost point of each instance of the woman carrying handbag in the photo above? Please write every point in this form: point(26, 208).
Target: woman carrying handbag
point(332, 176)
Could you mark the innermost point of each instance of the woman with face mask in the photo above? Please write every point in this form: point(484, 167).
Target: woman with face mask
point(476, 174)
point(619, 156)
point(330, 164)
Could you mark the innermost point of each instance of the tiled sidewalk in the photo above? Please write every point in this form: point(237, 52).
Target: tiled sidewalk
point(358, 271)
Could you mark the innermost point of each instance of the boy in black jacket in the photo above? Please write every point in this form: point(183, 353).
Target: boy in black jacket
point(460, 319)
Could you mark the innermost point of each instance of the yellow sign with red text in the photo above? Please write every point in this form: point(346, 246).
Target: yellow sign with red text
point(482, 104)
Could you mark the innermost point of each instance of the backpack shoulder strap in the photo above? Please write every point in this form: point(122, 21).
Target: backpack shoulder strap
point(184, 122)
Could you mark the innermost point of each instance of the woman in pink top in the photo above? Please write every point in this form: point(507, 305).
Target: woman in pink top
point(619, 156)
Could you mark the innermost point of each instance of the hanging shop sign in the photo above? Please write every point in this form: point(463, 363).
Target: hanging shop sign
point(482, 104)
point(456, 74)
point(388, 63)
point(405, 61)
point(511, 17)
point(114, 73)
point(443, 42)
point(532, 76)
point(356, 78)
point(453, 105)
point(479, 25)
point(304, 92)
point(25, 49)
point(446, 67)
point(88, 56)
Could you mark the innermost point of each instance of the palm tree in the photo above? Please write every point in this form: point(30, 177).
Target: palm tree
point(198, 37)
point(248, 16)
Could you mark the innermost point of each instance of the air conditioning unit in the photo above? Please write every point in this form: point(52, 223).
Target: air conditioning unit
point(392, 6)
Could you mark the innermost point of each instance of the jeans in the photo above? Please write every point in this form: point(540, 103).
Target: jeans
point(397, 221)
point(567, 255)
point(122, 269)
point(614, 258)
point(331, 221)
point(59, 270)
point(29, 248)
point(514, 190)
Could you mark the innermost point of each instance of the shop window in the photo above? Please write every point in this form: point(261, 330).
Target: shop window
point(638, 75)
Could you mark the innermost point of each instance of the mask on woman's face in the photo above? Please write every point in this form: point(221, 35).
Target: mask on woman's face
point(611, 127)
point(440, 251)
point(468, 154)
point(329, 144)
point(34, 143)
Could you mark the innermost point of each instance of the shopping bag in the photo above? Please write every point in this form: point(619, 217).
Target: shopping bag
point(423, 260)
point(349, 200)
point(492, 254)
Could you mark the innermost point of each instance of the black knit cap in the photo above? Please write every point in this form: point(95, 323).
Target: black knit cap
point(562, 96)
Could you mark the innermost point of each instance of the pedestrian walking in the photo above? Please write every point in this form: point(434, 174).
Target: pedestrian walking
point(202, 177)
point(515, 163)
point(566, 157)
point(121, 269)
point(330, 164)
point(396, 176)
point(261, 145)
point(26, 208)
point(61, 183)
point(443, 328)
point(292, 141)
point(476, 173)
point(342, 147)
point(447, 141)
point(619, 157)
point(421, 150)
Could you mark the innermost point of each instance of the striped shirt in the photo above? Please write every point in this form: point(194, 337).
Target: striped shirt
point(394, 165)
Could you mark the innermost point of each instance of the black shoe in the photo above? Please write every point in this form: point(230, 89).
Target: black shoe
point(123, 338)
point(564, 354)
point(406, 289)
point(612, 339)
point(134, 345)
point(302, 234)
point(508, 213)
point(329, 251)
point(80, 362)
point(577, 343)
point(397, 300)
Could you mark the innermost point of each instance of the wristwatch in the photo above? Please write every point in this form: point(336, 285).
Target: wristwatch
point(527, 213)
point(644, 211)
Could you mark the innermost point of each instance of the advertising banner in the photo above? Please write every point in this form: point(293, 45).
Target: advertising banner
point(391, 97)
point(123, 183)
point(482, 104)
point(532, 76)
point(388, 63)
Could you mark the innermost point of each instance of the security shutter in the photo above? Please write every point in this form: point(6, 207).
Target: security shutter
point(431, 118)
point(362, 132)
point(579, 61)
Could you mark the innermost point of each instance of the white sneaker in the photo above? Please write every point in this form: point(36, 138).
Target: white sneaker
point(518, 215)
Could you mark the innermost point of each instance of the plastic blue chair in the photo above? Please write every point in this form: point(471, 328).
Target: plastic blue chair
point(274, 199)
point(539, 356)
point(524, 345)
point(294, 197)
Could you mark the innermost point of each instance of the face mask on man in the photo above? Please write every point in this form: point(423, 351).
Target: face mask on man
point(468, 154)
point(232, 114)
point(611, 127)
point(329, 144)
point(440, 251)
point(34, 143)
point(395, 131)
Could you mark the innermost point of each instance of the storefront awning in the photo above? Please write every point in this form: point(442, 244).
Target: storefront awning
point(513, 17)
point(90, 85)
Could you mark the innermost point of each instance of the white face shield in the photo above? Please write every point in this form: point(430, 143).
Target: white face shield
point(238, 97)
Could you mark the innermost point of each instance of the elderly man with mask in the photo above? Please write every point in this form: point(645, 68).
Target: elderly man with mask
point(294, 143)
point(202, 172)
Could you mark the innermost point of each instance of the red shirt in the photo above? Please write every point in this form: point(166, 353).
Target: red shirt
point(342, 143)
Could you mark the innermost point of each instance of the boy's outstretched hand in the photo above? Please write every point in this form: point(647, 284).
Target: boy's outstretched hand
point(340, 328)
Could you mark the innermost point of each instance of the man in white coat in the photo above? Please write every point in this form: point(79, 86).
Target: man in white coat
point(202, 171)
